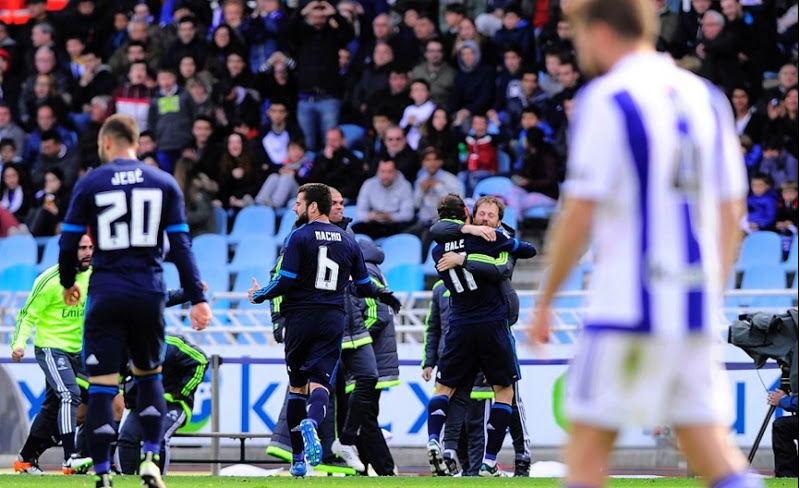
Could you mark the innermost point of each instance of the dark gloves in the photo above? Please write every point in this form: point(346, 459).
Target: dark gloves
point(388, 298)
point(277, 330)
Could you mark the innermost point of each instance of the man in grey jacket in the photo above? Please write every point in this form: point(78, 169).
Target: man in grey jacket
point(385, 204)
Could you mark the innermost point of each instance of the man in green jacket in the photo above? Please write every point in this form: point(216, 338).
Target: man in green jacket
point(58, 343)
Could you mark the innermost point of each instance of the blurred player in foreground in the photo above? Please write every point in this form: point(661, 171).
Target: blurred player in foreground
point(656, 175)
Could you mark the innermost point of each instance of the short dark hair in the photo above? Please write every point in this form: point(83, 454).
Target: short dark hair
point(147, 133)
point(187, 18)
point(120, 128)
point(533, 109)
point(451, 206)
point(204, 118)
point(456, 8)
point(7, 141)
point(501, 207)
point(763, 177)
point(51, 135)
point(136, 43)
point(55, 171)
point(317, 193)
point(422, 81)
point(299, 142)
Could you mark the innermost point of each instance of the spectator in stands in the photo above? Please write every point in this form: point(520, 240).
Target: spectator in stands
point(45, 64)
point(548, 79)
point(15, 194)
point(786, 217)
point(203, 151)
point(75, 49)
point(783, 121)
point(416, 114)
point(337, 166)
point(382, 31)
point(133, 97)
point(508, 79)
point(518, 96)
point(9, 81)
point(8, 152)
point(282, 185)
point(762, 204)
point(272, 144)
point(233, 15)
point(668, 21)
point(787, 78)
point(689, 35)
point(719, 61)
point(432, 184)
point(197, 201)
point(536, 182)
point(482, 143)
point(170, 118)
point(240, 176)
point(42, 35)
point(37, 15)
point(265, 33)
point(279, 83)
point(318, 32)
point(385, 204)
point(396, 149)
point(95, 80)
point(55, 154)
point(744, 34)
point(199, 89)
point(777, 163)
point(44, 93)
point(50, 205)
point(570, 78)
point(515, 32)
point(748, 120)
point(46, 120)
point(374, 79)
point(147, 143)
point(424, 30)
point(223, 42)
point(139, 46)
point(8, 128)
point(118, 35)
point(187, 43)
point(238, 105)
point(374, 141)
point(9, 225)
point(454, 13)
point(467, 32)
point(101, 107)
point(86, 22)
point(395, 97)
point(473, 88)
point(439, 74)
point(438, 134)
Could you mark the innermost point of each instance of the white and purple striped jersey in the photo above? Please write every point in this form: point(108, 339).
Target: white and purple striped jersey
point(656, 148)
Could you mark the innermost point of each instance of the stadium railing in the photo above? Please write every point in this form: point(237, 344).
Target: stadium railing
point(253, 325)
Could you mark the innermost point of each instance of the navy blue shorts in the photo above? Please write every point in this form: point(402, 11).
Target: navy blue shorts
point(487, 347)
point(313, 343)
point(120, 326)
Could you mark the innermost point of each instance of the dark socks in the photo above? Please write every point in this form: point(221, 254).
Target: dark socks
point(496, 429)
point(151, 407)
point(31, 449)
point(68, 443)
point(100, 424)
point(295, 413)
point(437, 415)
point(317, 406)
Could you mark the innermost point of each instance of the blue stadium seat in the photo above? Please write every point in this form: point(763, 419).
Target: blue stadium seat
point(50, 254)
point(253, 220)
point(171, 276)
point(287, 224)
point(494, 185)
point(210, 250)
point(18, 277)
point(19, 249)
point(244, 282)
point(503, 163)
point(353, 135)
point(401, 249)
point(406, 278)
point(764, 277)
point(510, 218)
point(761, 247)
point(220, 220)
point(218, 281)
point(429, 266)
point(790, 265)
point(350, 211)
point(539, 212)
point(254, 250)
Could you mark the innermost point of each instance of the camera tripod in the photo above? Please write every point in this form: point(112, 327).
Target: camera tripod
point(785, 387)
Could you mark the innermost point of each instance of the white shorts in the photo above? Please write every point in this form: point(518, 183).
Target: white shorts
point(618, 380)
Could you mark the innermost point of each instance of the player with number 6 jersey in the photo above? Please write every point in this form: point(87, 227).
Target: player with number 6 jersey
point(127, 207)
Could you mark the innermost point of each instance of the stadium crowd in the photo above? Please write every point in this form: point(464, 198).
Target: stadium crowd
point(395, 105)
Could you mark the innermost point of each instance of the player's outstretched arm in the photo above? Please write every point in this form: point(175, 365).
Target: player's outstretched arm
point(447, 230)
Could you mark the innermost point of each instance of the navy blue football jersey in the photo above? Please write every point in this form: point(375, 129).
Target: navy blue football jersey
point(474, 298)
point(318, 261)
point(127, 206)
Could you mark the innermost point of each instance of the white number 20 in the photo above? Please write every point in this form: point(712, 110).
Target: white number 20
point(326, 265)
point(113, 235)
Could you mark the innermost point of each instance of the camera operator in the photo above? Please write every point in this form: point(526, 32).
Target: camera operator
point(784, 433)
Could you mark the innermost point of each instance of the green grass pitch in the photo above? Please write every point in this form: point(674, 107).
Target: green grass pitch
point(56, 481)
